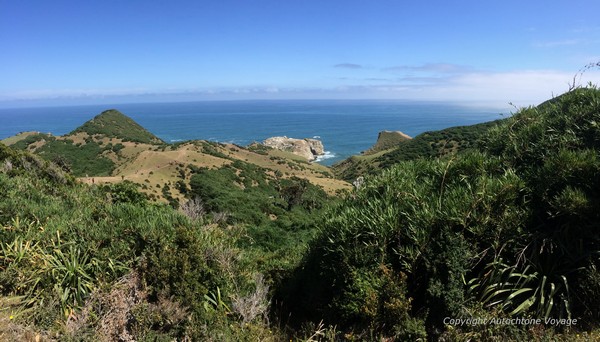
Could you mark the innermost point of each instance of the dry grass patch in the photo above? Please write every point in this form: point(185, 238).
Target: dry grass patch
point(16, 138)
point(153, 169)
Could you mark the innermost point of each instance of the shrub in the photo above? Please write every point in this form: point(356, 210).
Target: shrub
point(125, 192)
point(425, 219)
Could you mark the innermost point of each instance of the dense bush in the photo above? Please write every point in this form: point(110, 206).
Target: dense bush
point(513, 227)
point(78, 159)
point(426, 220)
point(63, 244)
point(555, 149)
point(84, 160)
point(254, 198)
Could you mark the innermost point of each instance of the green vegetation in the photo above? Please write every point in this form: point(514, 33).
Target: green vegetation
point(86, 159)
point(80, 159)
point(502, 224)
point(79, 262)
point(429, 145)
point(387, 140)
point(277, 215)
point(24, 143)
point(438, 143)
point(211, 148)
point(510, 227)
point(402, 232)
point(113, 124)
point(259, 148)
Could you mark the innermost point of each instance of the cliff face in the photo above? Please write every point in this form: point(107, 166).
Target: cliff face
point(307, 148)
point(316, 146)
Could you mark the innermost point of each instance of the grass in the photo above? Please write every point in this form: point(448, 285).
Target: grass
point(161, 167)
point(387, 140)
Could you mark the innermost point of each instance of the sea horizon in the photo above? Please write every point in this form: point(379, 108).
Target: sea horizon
point(346, 127)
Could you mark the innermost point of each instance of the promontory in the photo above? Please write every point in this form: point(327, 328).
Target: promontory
point(307, 148)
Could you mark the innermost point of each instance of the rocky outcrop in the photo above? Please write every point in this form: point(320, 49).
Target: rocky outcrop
point(387, 140)
point(307, 148)
point(316, 147)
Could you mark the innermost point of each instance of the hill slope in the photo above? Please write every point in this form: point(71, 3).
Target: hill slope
point(510, 228)
point(430, 144)
point(387, 140)
point(123, 268)
point(102, 256)
point(112, 148)
point(114, 124)
point(506, 229)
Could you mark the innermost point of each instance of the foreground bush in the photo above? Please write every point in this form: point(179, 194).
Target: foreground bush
point(512, 227)
point(70, 251)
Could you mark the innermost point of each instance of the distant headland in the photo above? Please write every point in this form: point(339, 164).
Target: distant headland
point(307, 148)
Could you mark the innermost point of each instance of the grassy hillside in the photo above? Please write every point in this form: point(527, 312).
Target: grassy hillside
point(156, 168)
point(114, 124)
point(431, 144)
point(93, 149)
point(508, 229)
point(82, 158)
point(112, 148)
point(90, 263)
point(387, 140)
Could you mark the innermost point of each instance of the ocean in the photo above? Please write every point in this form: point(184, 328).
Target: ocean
point(346, 127)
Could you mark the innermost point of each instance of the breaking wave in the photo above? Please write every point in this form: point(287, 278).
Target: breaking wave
point(326, 155)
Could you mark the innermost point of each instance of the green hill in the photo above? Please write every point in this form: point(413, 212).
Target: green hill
point(107, 149)
point(118, 265)
point(503, 228)
point(387, 140)
point(72, 251)
point(432, 144)
point(507, 229)
point(114, 124)
point(92, 149)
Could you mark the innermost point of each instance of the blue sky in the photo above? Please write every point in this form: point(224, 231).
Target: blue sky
point(487, 52)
